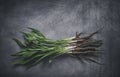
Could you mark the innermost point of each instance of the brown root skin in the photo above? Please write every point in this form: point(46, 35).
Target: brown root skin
point(86, 47)
point(76, 52)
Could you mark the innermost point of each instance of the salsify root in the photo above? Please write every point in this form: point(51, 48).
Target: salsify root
point(37, 47)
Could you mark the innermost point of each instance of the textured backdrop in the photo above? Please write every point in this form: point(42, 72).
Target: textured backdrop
point(59, 19)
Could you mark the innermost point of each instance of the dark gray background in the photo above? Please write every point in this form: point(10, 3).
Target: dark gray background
point(59, 19)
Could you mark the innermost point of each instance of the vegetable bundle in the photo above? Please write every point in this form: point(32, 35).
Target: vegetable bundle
point(37, 47)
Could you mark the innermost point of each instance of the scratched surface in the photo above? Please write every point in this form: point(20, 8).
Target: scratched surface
point(59, 19)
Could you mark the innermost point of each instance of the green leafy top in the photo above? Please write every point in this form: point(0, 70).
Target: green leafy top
point(37, 47)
